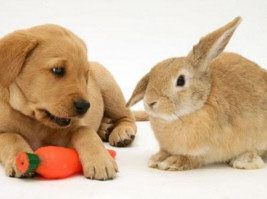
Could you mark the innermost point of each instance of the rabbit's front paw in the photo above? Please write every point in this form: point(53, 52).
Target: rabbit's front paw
point(178, 163)
point(157, 158)
point(249, 160)
point(122, 135)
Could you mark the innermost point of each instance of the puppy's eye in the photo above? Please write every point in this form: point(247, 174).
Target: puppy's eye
point(59, 71)
point(180, 81)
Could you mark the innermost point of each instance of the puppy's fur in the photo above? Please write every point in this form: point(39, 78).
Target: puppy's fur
point(219, 114)
point(29, 90)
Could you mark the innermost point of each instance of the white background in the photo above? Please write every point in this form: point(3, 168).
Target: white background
point(129, 37)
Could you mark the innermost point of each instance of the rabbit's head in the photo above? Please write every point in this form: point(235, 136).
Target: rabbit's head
point(180, 86)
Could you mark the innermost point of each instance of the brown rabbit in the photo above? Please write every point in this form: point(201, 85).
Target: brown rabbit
point(206, 107)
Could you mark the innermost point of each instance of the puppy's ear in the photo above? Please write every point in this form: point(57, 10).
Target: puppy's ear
point(14, 49)
point(139, 91)
point(210, 46)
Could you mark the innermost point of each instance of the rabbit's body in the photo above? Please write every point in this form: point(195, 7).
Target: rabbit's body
point(207, 107)
point(232, 121)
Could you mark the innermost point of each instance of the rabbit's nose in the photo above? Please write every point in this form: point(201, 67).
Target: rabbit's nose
point(152, 104)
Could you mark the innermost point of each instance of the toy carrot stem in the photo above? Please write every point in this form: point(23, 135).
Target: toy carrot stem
point(27, 162)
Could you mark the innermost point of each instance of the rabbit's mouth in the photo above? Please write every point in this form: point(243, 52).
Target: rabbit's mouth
point(163, 116)
point(168, 117)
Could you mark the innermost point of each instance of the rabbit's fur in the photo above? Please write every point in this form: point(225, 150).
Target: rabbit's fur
point(218, 115)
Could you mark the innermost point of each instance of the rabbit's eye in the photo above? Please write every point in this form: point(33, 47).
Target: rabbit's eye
point(180, 81)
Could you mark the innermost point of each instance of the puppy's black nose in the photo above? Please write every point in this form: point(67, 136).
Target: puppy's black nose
point(81, 106)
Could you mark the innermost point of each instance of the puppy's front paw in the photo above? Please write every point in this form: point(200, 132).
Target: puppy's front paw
point(100, 167)
point(122, 135)
point(177, 163)
point(157, 158)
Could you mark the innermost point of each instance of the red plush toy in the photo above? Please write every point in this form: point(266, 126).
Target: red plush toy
point(51, 162)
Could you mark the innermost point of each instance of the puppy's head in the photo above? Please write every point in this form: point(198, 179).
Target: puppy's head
point(46, 71)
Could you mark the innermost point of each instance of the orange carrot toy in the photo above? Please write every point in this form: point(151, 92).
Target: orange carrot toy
point(51, 162)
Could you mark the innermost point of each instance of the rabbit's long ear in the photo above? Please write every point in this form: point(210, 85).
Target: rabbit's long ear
point(210, 46)
point(139, 91)
point(14, 49)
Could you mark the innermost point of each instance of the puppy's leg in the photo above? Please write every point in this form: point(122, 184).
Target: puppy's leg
point(96, 161)
point(115, 108)
point(180, 163)
point(123, 133)
point(248, 160)
point(105, 128)
point(11, 144)
point(157, 158)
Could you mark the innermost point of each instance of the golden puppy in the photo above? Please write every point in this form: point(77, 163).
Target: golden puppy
point(52, 95)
